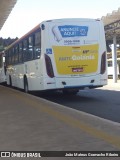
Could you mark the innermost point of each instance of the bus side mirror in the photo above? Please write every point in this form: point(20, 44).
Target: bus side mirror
point(43, 26)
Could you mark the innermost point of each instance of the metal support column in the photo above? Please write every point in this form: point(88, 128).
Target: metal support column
point(114, 59)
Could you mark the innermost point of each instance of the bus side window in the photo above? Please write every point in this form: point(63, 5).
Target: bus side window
point(30, 48)
point(25, 50)
point(109, 63)
point(16, 54)
point(20, 52)
point(8, 57)
point(1, 61)
point(37, 45)
point(12, 55)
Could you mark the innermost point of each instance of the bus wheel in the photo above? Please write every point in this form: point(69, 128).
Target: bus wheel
point(26, 86)
point(10, 81)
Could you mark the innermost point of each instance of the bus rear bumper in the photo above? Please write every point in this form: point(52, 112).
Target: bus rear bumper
point(81, 82)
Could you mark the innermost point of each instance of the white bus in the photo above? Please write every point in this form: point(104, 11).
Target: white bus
point(111, 69)
point(63, 54)
point(2, 68)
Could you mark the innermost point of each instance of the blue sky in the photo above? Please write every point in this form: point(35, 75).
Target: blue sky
point(28, 13)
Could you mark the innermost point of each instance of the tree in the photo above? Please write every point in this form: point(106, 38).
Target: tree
point(6, 42)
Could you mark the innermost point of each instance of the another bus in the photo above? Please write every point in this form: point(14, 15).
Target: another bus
point(2, 68)
point(111, 69)
point(63, 54)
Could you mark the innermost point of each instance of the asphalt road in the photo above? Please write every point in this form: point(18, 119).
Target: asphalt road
point(99, 102)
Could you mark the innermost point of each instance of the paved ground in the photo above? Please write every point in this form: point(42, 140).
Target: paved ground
point(30, 123)
point(103, 102)
point(111, 85)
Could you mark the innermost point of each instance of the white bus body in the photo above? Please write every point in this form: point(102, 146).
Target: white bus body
point(70, 55)
point(111, 69)
point(2, 68)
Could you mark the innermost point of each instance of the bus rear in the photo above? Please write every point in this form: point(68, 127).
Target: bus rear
point(75, 54)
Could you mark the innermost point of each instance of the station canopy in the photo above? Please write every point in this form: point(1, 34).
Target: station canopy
point(111, 20)
point(5, 9)
point(112, 25)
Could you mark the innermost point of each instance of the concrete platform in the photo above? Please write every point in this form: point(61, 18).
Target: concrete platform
point(29, 123)
point(113, 86)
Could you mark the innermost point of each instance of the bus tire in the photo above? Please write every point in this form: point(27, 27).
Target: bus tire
point(26, 89)
point(10, 81)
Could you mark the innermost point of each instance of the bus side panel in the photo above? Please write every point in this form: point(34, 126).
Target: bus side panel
point(2, 69)
point(2, 75)
point(34, 74)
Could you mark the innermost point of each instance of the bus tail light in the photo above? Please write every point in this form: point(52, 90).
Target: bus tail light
point(49, 67)
point(103, 63)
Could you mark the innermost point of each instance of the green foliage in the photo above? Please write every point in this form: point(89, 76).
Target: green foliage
point(6, 42)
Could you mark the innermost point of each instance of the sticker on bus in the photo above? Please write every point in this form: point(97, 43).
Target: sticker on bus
point(68, 31)
point(82, 60)
point(49, 50)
